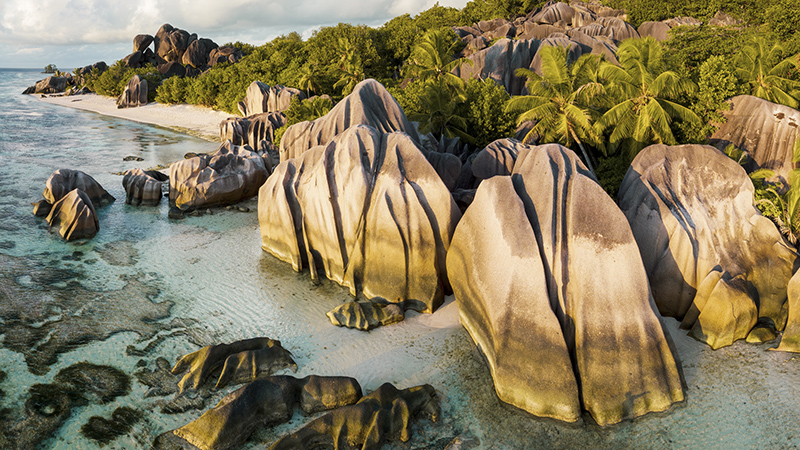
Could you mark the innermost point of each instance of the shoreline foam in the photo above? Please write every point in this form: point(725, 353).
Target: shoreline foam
point(193, 120)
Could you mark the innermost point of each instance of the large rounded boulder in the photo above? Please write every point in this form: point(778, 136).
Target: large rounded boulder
point(551, 288)
point(714, 262)
point(369, 211)
point(766, 131)
point(262, 98)
point(251, 130)
point(229, 175)
point(135, 93)
point(62, 181)
point(74, 215)
point(369, 104)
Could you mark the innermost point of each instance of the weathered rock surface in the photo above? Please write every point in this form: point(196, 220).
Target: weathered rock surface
point(790, 342)
point(141, 42)
point(240, 361)
point(170, 43)
point(384, 415)
point(713, 261)
point(229, 175)
point(369, 104)
point(50, 85)
point(224, 54)
point(143, 187)
point(197, 53)
point(764, 130)
point(551, 287)
point(500, 61)
point(498, 158)
point(657, 30)
point(62, 181)
point(366, 315)
point(252, 130)
point(368, 210)
point(135, 93)
point(261, 98)
point(263, 402)
point(75, 216)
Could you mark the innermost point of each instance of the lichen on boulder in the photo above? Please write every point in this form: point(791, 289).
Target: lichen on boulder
point(551, 287)
point(714, 262)
point(367, 210)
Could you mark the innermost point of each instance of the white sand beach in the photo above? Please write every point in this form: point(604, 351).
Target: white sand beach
point(190, 119)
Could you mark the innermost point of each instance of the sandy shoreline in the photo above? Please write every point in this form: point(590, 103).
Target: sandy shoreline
point(190, 119)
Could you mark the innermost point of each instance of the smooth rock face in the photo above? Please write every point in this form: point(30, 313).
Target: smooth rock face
point(75, 216)
point(170, 43)
point(197, 53)
point(657, 30)
point(764, 130)
point(141, 42)
point(50, 85)
point(498, 158)
point(143, 187)
point(713, 261)
point(229, 175)
point(261, 98)
point(551, 287)
point(369, 211)
point(135, 93)
point(62, 181)
point(369, 104)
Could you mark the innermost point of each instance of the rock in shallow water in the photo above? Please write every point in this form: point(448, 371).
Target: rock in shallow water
point(231, 174)
point(74, 215)
point(551, 287)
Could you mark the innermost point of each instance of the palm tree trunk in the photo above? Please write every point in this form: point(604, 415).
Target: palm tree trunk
point(583, 150)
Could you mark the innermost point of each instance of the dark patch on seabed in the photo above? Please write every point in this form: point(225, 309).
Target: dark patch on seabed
point(46, 311)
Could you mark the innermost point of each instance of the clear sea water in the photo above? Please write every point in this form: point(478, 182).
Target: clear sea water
point(208, 281)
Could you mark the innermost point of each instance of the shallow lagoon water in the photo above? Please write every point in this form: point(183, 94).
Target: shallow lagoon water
point(217, 285)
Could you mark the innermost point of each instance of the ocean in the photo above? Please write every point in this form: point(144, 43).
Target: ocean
point(146, 287)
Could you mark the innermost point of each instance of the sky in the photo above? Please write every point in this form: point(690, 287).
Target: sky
point(76, 33)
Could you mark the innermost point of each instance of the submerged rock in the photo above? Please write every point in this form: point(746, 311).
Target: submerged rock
point(263, 402)
point(55, 314)
point(104, 431)
point(231, 174)
point(369, 211)
point(50, 405)
point(713, 261)
point(551, 288)
point(384, 415)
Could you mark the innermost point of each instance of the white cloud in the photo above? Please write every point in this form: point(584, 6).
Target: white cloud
point(57, 26)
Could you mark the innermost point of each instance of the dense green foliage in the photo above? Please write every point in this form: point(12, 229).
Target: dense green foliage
point(112, 82)
point(561, 100)
point(301, 111)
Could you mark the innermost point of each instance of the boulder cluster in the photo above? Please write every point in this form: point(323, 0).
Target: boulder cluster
point(70, 201)
point(497, 48)
point(177, 52)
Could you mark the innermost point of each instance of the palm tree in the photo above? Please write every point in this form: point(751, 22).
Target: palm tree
point(352, 73)
point(561, 100)
point(309, 79)
point(432, 59)
point(439, 113)
point(644, 87)
point(762, 68)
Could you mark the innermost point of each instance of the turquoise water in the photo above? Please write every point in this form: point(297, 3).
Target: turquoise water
point(168, 288)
